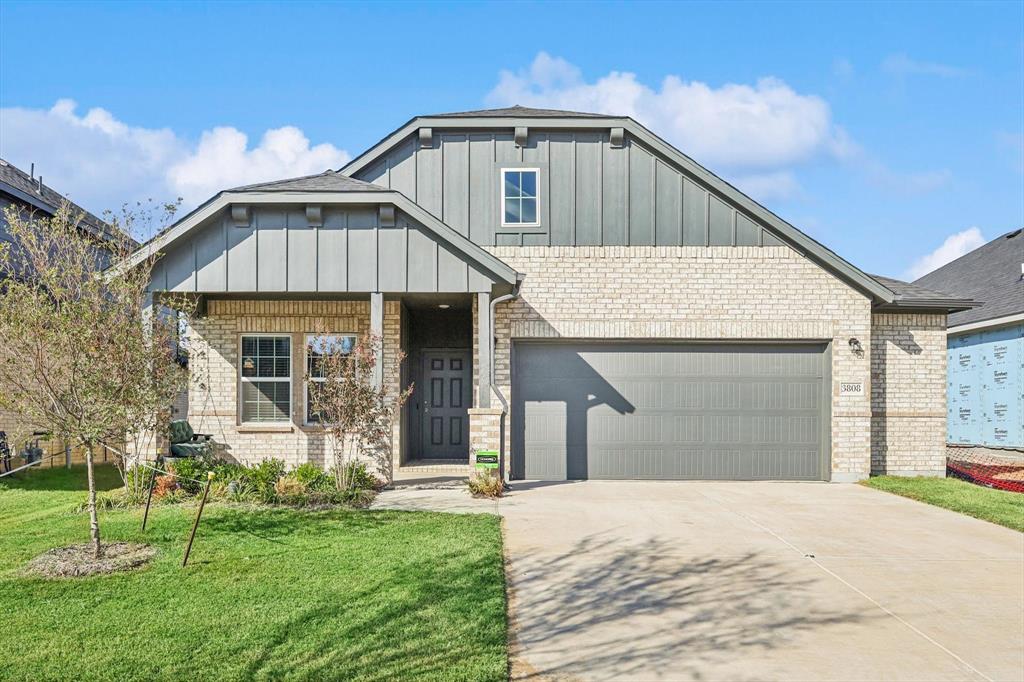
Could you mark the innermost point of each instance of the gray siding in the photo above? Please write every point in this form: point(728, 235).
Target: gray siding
point(279, 251)
point(591, 193)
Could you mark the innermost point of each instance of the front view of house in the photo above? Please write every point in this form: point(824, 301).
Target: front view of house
point(566, 287)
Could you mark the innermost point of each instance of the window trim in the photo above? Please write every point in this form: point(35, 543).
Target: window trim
point(305, 367)
point(242, 379)
point(501, 191)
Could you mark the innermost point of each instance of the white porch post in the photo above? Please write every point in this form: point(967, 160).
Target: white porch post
point(485, 340)
point(377, 330)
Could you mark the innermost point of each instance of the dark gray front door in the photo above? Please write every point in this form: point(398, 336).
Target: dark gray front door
point(669, 411)
point(447, 394)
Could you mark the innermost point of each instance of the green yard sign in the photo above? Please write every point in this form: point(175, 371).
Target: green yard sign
point(487, 459)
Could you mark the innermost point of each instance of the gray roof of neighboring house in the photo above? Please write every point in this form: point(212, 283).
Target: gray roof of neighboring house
point(328, 181)
point(24, 187)
point(516, 110)
point(991, 275)
point(911, 295)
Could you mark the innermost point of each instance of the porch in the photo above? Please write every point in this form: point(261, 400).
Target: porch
point(274, 265)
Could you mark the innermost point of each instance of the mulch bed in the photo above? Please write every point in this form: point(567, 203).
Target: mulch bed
point(77, 561)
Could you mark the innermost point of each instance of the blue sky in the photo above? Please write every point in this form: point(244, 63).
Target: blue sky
point(893, 133)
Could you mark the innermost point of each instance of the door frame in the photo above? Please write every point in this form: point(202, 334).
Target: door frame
point(423, 435)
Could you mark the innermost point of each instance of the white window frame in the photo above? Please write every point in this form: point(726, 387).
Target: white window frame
point(244, 379)
point(305, 385)
point(501, 207)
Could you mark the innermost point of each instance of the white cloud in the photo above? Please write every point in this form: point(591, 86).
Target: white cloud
point(902, 65)
point(756, 135)
point(102, 162)
point(764, 186)
point(735, 127)
point(952, 248)
point(223, 159)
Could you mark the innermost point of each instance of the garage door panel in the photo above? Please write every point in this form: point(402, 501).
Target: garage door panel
point(621, 410)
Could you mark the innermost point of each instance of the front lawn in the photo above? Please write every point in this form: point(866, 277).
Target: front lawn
point(269, 593)
point(998, 506)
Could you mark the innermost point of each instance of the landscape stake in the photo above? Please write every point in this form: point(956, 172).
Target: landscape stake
point(149, 496)
point(199, 513)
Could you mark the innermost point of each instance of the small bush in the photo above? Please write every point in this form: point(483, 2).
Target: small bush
point(263, 476)
point(486, 485)
point(290, 490)
point(192, 472)
point(315, 478)
point(164, 486)
point(360, 478)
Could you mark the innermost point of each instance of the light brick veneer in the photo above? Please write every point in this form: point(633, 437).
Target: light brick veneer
point(214, 344)
point(708, 293)
point(908, 394)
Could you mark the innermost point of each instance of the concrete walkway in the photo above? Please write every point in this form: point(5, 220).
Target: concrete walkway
point(751, 581)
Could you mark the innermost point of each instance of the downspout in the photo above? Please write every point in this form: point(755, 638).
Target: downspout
point(493, 382)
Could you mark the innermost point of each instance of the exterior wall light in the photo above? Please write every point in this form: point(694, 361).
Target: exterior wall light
point(855, 346)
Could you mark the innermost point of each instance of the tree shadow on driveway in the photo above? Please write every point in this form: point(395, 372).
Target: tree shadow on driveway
point(609, 608)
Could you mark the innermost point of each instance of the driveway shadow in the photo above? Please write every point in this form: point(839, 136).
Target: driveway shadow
point(609, 608)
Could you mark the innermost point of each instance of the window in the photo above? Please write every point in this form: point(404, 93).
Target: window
point(519, 196)
point(316, 347)
point(266, 378)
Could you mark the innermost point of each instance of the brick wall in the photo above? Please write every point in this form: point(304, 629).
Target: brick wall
point(908, 394)
point(214, 345)
point(697, 293)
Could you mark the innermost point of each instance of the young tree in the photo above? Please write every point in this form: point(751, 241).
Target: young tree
point(357, 416)
point(82, 356)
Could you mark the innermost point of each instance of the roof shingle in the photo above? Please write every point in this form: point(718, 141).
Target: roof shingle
point(521, 112)
point(23, 182)
point(991, 275)
point(328, 181)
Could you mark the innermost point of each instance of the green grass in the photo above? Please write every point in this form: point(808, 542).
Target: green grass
point(269, 593)
point(998, 506)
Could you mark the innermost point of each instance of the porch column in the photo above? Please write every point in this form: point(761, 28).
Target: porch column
point(377, 330)
point(485, 341)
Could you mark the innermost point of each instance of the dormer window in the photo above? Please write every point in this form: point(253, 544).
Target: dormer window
point(519, 197)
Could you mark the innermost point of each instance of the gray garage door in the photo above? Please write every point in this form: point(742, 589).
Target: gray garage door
point(669, 411)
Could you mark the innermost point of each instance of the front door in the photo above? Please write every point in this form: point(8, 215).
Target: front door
point(447, 394)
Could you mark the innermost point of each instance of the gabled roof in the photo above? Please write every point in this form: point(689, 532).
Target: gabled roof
point(325, 188)
point(328, 181)
point(29, 190)
point(914, 296)
point(517, 110)
point(991, 274)
point(548, 119)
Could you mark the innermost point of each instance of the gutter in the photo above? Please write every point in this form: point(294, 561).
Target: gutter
point(493, 377)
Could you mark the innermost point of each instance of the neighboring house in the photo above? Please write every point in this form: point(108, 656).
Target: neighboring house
point(986, 346)
point(640, 317)
point(27, 193)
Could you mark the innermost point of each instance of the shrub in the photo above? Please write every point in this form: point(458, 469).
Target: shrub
point(164, 486)
point(486, 485)
point(315, 478)
point(360, 478)
point(241, 491)
point(290, 490)
point(192, 473)
point(263, 476)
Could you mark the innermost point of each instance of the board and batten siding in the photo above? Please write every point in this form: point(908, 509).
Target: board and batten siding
point(591, 192)
point(279, 251)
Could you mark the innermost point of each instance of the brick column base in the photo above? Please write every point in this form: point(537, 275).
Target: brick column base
point(484, 432)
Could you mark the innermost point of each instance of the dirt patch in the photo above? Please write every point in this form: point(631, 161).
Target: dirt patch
point(77, 560)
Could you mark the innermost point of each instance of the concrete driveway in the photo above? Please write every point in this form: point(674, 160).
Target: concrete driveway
point(755, 581)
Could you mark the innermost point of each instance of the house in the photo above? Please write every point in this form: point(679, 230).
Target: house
point(27, 193)
point(567, 288)
point(986, 349)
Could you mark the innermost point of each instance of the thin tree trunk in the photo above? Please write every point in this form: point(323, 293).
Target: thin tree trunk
point(94, 522)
